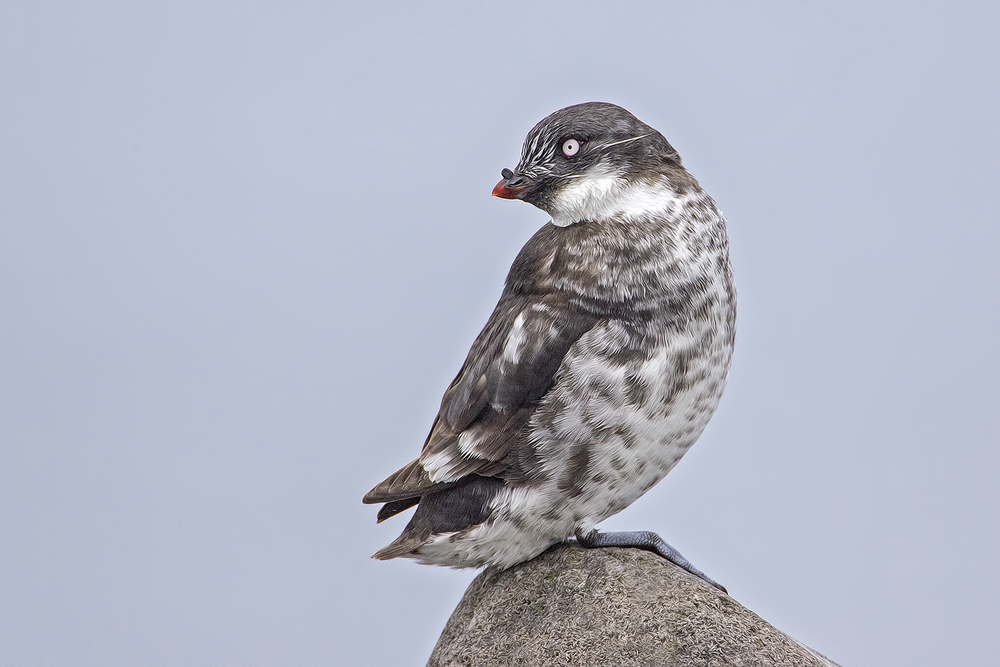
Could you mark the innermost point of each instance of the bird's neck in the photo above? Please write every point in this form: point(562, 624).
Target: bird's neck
point(604, 195)
point(649, 246)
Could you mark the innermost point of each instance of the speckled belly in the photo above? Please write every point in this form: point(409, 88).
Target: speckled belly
point(611, 428)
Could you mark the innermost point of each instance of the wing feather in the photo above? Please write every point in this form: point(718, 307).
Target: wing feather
point(409, 481)
point(510, 367)
point(485, 410)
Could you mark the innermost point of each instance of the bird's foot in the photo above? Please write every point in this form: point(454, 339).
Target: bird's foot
point(643, 539)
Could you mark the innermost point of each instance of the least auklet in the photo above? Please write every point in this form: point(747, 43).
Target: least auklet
point(600, 366)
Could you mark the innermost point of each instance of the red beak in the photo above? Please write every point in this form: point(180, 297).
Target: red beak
point(505, 191)
point(501, 190)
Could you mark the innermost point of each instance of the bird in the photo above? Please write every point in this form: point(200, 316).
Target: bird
point(602, 363)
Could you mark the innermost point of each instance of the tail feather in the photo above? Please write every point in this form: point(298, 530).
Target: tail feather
point(401, 546)
point(457, 508)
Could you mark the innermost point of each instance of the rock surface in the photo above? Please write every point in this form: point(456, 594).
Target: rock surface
point(572, 606)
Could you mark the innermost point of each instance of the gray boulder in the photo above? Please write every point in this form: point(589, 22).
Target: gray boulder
point(601, 607)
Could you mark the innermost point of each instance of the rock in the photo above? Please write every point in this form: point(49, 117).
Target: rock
point(601, 607)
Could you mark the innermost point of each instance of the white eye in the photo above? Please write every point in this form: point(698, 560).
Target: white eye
point(570, 147)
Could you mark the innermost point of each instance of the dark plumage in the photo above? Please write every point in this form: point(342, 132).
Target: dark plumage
point(601, 364)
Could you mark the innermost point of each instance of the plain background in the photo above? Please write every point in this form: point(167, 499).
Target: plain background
point(244, 247)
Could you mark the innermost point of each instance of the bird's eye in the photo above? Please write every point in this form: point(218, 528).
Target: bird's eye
point(570, 147)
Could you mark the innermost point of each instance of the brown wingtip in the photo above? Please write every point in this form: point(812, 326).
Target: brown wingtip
point(410, 481)
point(371, 497)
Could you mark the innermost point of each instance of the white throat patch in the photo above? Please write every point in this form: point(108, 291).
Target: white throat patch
point(601, 193)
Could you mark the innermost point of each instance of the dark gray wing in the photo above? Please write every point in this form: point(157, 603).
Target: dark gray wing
point(511, 365)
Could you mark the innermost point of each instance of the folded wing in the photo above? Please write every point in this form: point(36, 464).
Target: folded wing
point(484, 412)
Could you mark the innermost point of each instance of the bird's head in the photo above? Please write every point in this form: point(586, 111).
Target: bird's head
point(577, 162)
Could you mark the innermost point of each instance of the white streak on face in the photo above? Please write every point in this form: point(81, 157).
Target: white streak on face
point(622, 141)
point(601, 193)
point(512, 349)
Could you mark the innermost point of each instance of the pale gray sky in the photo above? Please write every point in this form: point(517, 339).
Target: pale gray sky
point(244, 248)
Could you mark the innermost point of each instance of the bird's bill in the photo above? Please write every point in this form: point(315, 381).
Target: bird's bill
point(512, 188)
